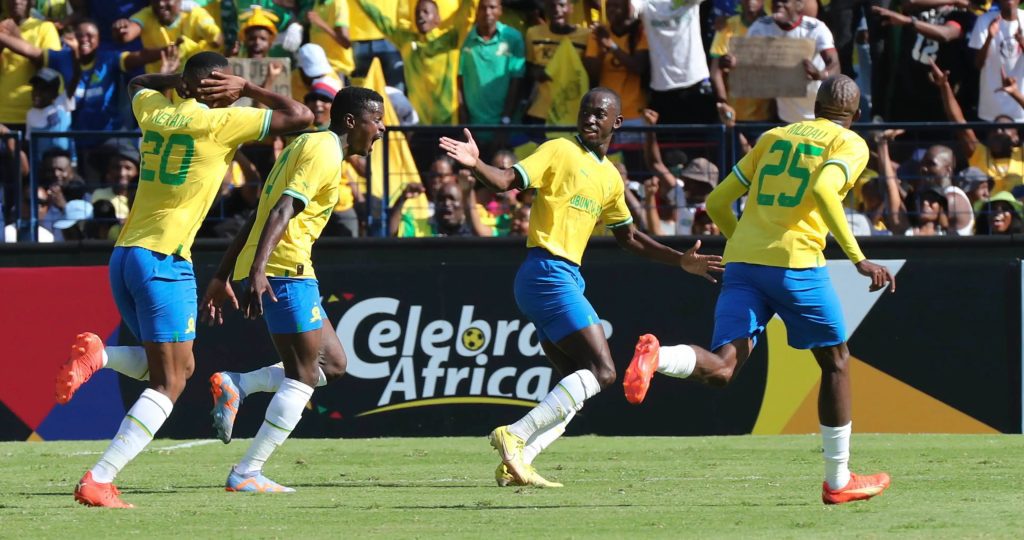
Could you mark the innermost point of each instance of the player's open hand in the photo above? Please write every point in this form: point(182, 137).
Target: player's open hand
point(465, 153)
point(221, 88)
point(880, 276)
point(252, 301)
point(218, 292)
point(701, 265)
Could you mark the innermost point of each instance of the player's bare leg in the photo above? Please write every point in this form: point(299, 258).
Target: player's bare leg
point(682, 362)
point(592, 370)
point(170, 364)
point(834, 404)
point(300, 354)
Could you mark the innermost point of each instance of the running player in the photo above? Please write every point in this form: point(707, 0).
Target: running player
point(576, 186)
point(797, 176)
point(271, 257)
point(186, 149)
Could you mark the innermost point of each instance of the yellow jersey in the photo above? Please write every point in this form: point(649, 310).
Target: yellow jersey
point(309, 170)
point(575, 189)
point(747, 109)
point(16, 70)
point(196, 27)
point(1006, 173)
point(186, 150)
point(615, 76)
point(541, 44)
point(781, 225)
point(360, 27)
point(335, 14)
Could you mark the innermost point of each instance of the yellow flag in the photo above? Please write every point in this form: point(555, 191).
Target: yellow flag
point(401, 167)
point(569, 82)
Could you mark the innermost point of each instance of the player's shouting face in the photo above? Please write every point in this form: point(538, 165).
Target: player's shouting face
point(367, 128)
point(599, 117)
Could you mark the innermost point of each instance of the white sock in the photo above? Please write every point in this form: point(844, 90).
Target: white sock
point(543, 439)
point(568, 395)
point(268, 379)
point(137, 429)
point(677, 361)
point(836, 444)
point(129, 361)
point(283, 414)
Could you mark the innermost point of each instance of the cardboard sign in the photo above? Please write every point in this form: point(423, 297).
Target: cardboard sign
point(255, 70)
point(769, 67)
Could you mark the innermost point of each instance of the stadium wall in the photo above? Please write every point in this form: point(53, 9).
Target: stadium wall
point(437, 346)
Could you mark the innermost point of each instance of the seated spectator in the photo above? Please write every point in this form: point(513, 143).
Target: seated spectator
point(976, 184)
point(104, 225)
point(15, 90)
point(453, 212)
point(1000, 157)
point(541, 42)
point(120, 179)
point(520, 223)
point(742, 109)
point(872, 205)
point(408, 217)
point(491, 67)
point(617, 58)
point(313, 67)
point(163, 24)
point(431, 59)
point(328, 28)
point(51, 111)
point(703, 225)
point(996, 40)
point(928, 213)
point(72, 226)
point(19, 231)
point(787, 21)
point(1002, 214)
point(319, 100)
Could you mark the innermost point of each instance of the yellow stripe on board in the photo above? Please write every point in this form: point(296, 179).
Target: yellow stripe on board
point(451, 401)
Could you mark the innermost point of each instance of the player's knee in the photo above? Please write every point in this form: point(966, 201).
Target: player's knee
point(834, 361)
point(309, 374)
point(721, 376)
point(334, 365)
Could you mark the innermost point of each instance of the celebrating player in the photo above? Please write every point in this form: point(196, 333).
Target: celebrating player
point(272, 255)
point(797, 176)
point(576, 186)
point(186, 149)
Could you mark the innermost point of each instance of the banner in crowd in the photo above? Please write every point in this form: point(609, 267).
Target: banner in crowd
point(437, 347)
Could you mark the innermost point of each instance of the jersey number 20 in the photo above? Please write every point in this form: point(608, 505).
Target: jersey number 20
point(794, 172)
point(186, 145)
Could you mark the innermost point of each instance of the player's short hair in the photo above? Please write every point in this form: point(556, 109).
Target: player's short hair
point(604, 92)
point(352, 100)
point(199, 66)
point(838, 98)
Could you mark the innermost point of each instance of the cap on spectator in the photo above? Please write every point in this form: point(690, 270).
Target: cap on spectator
point(127, 151)
point(313, 61)
point(324, 89)
point(972, 177)
point(700, 170)
point(46, 76)
point(258, 18)
point(1007, 197)
point(75, 211)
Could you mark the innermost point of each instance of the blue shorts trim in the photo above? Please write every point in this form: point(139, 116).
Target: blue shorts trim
point(549, 291)
point(298, 307)
point(803, 298)
point(155, 293)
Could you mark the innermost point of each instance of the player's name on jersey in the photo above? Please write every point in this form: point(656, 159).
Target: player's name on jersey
point(255, 70)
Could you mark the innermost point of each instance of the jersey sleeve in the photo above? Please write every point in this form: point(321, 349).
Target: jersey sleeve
point(62, 61)
point(720, 43)
point(142, 16)
point(851, 155)
point(517, 55)
point(615, 213)
point(980, 32)
point(823, 39)
point(533, 171)
point(340, 14)
point(238, 125)
point(207, 27)
point(747, 167)
point(310, 171)
point(48, 37)
point(146, 99)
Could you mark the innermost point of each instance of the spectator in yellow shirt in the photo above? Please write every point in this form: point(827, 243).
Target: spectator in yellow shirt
point(164, 23)
point(328, 28)
point(617, 58)
point(742, 109)
point(16, 70)
point(541, 42)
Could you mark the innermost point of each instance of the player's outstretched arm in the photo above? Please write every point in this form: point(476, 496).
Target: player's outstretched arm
point(825, 187)
point(468, 155)
point(638, 243)
point(273, 229)
point(154, 81)
point(288, 115)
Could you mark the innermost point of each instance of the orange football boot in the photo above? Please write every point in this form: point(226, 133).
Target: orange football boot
point(92, 493)
point(86, 358)
point(637, 380)
point(859, 488)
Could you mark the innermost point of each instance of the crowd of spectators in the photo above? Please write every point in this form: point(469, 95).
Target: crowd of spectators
point(64, 66)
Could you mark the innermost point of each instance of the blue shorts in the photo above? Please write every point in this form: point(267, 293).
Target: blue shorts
point(549, 291)
point(803, 298)
point(155, 293)
point(298, 307)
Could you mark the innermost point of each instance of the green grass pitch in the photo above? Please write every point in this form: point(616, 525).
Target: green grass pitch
point(944, 486)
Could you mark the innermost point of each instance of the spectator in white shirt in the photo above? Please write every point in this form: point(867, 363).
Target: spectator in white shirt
point(998, 39)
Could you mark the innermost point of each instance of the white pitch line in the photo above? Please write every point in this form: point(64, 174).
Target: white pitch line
point(161, 449)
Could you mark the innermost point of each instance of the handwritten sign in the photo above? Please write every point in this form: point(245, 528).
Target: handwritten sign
point(255, 71)
point(769, 67)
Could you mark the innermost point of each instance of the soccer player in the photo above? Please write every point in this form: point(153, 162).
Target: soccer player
point(797, 176)
point(271, 257)
point(576, 186)
point(186, 149)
